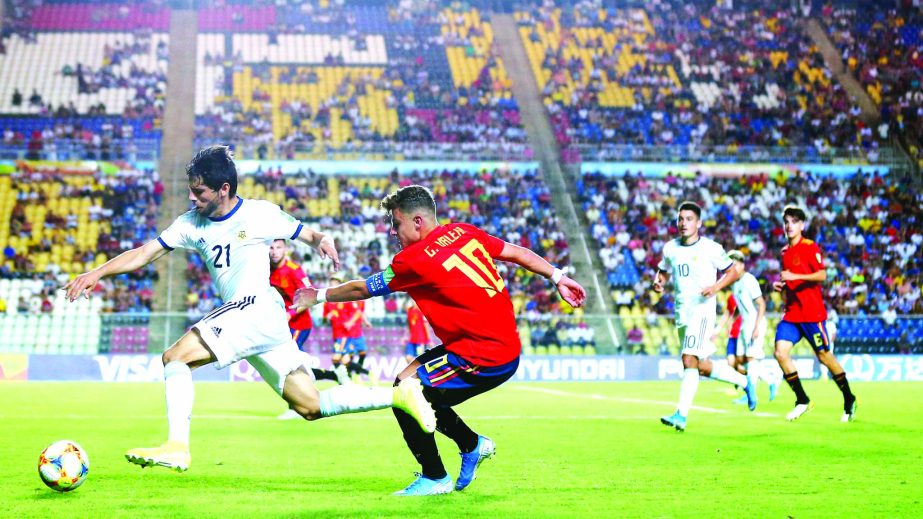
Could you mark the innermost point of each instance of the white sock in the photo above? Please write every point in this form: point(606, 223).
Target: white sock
point(687, 390)
point(754, 373)
point(353, 398)
point(180, 394)
point(721, 371)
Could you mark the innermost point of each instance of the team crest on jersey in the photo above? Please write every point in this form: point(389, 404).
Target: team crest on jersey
point(796, 260)
point(241, 235)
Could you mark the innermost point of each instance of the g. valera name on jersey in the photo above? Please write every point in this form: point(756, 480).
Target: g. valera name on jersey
point(447, 238)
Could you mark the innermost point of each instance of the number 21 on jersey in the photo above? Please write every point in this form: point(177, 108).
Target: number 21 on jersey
point(487, 278)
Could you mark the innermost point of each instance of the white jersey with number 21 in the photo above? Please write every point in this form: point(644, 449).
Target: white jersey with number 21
point(234, 247)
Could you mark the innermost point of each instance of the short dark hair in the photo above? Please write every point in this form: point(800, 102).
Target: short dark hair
point(214, 166)
point(690, 206)
point(409, 199)
point(795, 212)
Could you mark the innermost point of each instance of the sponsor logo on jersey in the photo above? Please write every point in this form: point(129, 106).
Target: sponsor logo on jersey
point(241, 235)
point(216, 331)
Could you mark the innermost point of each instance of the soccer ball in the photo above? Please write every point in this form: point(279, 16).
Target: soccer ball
point(63, 466)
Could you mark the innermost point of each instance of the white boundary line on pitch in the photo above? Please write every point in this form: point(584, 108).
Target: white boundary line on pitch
point(595, 396)
point(353, 417)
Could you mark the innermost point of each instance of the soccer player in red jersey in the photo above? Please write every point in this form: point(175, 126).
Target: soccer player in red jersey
point(286, 276)
point(344, 319)
point(417, 333)
point(805, 315)
point(729, 310)
point(449, 271)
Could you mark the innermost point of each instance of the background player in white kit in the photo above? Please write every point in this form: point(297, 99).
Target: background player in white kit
point(233, 237)
point(694, 262)
point(752, 309)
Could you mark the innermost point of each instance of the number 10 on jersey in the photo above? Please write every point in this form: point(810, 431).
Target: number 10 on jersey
point(487, 278)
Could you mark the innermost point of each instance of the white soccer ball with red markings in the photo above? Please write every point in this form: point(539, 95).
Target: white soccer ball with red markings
point(63, 465)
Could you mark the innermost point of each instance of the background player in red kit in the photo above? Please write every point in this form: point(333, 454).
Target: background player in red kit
point(346, 320)
point(286, 276)
point(418, 338)
point(449, 271)
point(805, 315)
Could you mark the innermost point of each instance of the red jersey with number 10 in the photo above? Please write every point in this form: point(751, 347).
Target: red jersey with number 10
point(804, 301)
point(453, 279)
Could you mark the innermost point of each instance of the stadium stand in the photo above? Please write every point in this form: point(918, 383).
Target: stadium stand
point(356, 78)
point(866, 224)
point(687, 73)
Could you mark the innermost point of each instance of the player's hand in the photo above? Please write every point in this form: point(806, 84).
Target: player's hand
point(788, 276)
point(756, 333)
point(82, 284)
point(304, 298)
point(778, 285)
point(657, 285)
point(714, 338)
point(710, 290)
point(328, 250)
point(572, 292)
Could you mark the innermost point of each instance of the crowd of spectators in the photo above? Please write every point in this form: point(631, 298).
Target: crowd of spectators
point(123, 207)
point(419, 83)
point(698, 73)
point(883, 48)
point(868, 226)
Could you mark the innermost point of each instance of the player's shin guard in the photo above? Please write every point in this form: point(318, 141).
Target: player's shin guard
point(350, 398)
point(451, 425)
point(180, 393)
point(687, 390)
point(422, 445)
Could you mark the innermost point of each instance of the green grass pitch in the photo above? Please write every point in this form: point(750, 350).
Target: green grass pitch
point(563, 450)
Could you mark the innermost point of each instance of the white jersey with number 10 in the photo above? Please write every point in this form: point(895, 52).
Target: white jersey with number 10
point(693, 268)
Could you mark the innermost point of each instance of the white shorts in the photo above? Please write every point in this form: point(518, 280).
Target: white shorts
point(694, 329)
point(245, 327)
point(752, 349)
point(276, 364)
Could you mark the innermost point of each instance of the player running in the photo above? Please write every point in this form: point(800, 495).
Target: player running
point(233, 236)
point(730, 315)
point(286, 277)
point(693, 262)
point(752, 308)
point(805, 315)
point(449, 271)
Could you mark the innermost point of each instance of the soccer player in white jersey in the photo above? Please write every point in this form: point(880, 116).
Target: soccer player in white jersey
point(752, 309)
point(694, 262)
point(233, 236)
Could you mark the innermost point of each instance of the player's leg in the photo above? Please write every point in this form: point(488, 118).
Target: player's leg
point(787, 335)
point(433, 477)
point(336, 360)
point(189, 352)
point(355, 364)
point(823, 349)
point(283, 369)
point(690, 379)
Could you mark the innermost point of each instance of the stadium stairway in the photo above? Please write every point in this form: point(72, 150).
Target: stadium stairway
point(542, 140)
point(175, 152)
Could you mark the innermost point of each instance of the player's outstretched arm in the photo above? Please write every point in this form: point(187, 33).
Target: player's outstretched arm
point(323, 243)
point(127, 261)
point(570, 290)
point(309, 296)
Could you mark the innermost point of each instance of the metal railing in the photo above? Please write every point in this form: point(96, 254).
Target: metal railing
point(130, 150)
point(386, 150)
point(699, 153)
